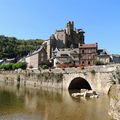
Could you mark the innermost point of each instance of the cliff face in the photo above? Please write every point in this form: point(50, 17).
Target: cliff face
point(114, 95)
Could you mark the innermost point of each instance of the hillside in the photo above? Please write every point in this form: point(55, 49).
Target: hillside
point(11, 47)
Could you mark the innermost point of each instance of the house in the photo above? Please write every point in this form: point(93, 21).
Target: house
point(88, 53)
point(84, 55)
point(103, 56)
point(115, 58)
point(10, 60)
point(35, 59)
point(38, 57)
point(66, 56)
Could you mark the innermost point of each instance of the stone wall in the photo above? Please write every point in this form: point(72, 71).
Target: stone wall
point(114, 95)
point(32, 79)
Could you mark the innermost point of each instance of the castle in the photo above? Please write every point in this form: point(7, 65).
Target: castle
point(70, 37)
point(67, 46)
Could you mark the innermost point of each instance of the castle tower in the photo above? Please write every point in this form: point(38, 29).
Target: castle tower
point(51, 45)
point(82, 37)
point(69, 27)
point(69, 33)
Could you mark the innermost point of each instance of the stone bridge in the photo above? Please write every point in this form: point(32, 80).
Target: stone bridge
point(98, 78)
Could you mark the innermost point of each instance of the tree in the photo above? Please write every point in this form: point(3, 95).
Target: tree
point(11, 47)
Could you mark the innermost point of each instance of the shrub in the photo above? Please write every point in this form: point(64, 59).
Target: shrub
point(6, 66)
point(99, 63)
point(2, 66)
point(93, 71)
point(21, 65)
point(45, 67)
point(12, 66)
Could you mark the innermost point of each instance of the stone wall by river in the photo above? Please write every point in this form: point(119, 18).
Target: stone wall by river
point(32, 78)
point(114, 110)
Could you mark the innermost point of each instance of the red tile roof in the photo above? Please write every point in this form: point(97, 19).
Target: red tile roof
point(87, 45)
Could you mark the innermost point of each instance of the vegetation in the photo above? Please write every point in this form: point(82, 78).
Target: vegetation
point(93, 71)
point(11, 47)
point(13, 66)
point(99, 63)
point(44, 66)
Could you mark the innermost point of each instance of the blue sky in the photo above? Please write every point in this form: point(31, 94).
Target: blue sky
point(31, 19)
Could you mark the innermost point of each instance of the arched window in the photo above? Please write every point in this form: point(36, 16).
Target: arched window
point(88, 62)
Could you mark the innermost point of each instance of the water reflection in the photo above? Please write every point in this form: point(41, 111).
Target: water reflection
point(48, 104)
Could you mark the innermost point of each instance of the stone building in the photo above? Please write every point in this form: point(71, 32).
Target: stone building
point(88, 53)
point(37, 57)
point(66, 56)
point(103, 56)
point(66, 46)
point(69, 37)
point(115, 58)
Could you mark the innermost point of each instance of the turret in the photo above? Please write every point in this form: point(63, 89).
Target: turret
point(69, 27)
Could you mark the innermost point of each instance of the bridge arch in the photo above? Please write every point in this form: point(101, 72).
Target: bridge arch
point(79, 83)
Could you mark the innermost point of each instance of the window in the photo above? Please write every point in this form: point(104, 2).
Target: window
point(88, 62)
point(82, 62)
point(42, 57)
point(82, 51)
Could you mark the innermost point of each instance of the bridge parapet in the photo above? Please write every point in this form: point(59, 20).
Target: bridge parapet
point(101, 68)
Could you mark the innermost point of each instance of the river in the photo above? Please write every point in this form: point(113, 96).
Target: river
point(20, 103)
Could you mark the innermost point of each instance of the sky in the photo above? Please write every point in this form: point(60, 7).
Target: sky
point(38, 19)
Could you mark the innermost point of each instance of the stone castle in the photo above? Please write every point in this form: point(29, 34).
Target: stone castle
point(67, 46)
point(69, 37)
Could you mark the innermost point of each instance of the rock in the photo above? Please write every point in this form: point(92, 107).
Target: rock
point(94, 96)
point(86, 94)
point(77, 94)
point(90, 94)
point(114, 95)
point(83, 90)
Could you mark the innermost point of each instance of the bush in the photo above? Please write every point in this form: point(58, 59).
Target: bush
point(21, 65)
point(99, 63)
point(45, 67)
point(12, 66)
point(93, 71)
point(49, 64)
point(6, 66)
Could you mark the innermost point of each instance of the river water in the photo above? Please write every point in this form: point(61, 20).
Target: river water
point(17, 103)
